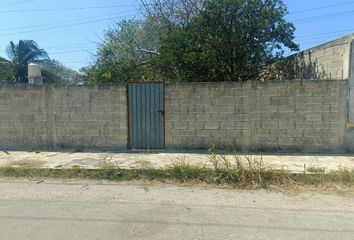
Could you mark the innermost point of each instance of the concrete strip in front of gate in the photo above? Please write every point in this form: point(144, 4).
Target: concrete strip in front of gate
point(131, 160)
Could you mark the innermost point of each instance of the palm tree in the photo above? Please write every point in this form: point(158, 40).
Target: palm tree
point(22, 54)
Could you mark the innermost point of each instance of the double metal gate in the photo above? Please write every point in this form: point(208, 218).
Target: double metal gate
point(146, 115)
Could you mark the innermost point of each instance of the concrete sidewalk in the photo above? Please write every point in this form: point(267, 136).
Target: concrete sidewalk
point(136, 159)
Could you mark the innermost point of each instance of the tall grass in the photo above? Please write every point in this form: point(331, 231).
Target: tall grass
point(240, 171)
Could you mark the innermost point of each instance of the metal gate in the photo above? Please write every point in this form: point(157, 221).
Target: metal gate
point(146, 116)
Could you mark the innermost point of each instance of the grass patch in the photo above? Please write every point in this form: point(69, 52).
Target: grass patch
point(241, 171)
point(104, 164)
point(237, 178)
point(345, 177)
point(316, 170)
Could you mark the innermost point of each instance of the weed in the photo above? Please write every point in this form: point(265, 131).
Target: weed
point(241, 171)
point(104, 164)
point(316, 170)
point(239, 177)
point(182, 171)
point(244, 171)
point(344, 176)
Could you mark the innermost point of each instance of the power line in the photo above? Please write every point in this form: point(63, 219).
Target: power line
point(76, 59)
point(18, 3)
point(71, 44)
point(76, 45)
point(64, 9)
point(119, 6)
point(320, 37)
point(322, 16)
point(57, 27)
point(303, 38)
point(63, 26)
point(323, 7)
point(69, 61)
point(74, 51)
point(312, 41)
point(312, 44)
point(60, 22)
point(83, 61)
point(324, 39)
point(326, 33)
point(93, 49)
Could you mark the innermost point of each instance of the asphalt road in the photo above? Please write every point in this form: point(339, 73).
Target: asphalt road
point(88, 210)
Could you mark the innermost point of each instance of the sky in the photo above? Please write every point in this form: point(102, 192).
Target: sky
point(69, 30)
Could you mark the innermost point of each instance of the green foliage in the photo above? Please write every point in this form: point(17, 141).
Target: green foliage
point(26, 51)
point(239, 174)
point(126, 53)
point(107, 71)
point(195, 40)
point(55, 72)
point(239, 171)
point(178, 40)
point(171, 15)
point(6, 71)
point(230, 40)
point(21, 54)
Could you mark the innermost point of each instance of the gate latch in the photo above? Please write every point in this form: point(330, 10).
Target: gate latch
point(162, 112)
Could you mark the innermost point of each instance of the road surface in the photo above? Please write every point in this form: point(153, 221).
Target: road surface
point(51, 210)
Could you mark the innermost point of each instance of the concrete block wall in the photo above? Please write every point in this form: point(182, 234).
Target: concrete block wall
point(22, 116)
point(90, 116)
point(201, 114)
point(300, 116)
point(327, 61)
point(63, 116)
point(350, 127)
point(290, 116)
point(305, 115)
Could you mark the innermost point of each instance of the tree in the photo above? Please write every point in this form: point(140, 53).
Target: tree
point(55, 72)
point(6, 70)
point(172, 15)
point(194, 40)
point(230, 40)
point(21, 54)
point(130, 47)
point(126, 53)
